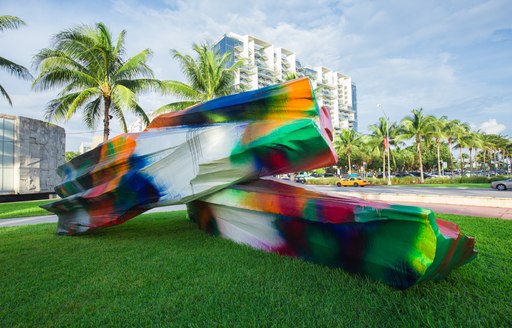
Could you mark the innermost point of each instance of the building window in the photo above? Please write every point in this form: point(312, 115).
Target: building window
point(6, 155)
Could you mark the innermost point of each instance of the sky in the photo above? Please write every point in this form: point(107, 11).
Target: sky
point(450, 58)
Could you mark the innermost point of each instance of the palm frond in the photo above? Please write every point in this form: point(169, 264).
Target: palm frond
point(80, 100)
point(8, 22)
point(4, 93)
point(175, 106)
point(15, 69)
point(92, 113)
point(181, 90)
point(135, 66)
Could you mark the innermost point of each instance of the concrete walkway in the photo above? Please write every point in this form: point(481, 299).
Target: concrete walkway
point(481, 211)
point(459, 205)
point(53, 218)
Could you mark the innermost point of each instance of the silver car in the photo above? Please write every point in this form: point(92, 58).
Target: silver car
point(502, 184)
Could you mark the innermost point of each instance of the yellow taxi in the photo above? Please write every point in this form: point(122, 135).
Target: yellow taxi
point(352, 182)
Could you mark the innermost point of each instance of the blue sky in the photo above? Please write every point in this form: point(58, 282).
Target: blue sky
point(452, 58)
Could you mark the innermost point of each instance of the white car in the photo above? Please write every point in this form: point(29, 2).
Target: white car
point(502, 184)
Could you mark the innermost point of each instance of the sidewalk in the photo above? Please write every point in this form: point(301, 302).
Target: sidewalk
point(53, 218)
point(481, 211)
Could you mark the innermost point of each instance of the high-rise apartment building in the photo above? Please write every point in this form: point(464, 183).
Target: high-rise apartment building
point(266, 64)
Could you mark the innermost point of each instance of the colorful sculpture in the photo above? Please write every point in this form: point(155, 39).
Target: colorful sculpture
point(399, 245)
point(274, 130)
point(212, 156)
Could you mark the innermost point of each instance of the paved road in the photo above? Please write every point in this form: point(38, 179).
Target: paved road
point(475, 192)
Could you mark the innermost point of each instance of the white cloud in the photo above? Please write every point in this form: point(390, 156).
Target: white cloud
point(440, 55)
point(492, 126)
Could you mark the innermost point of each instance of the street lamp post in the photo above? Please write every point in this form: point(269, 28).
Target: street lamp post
point(387, 144)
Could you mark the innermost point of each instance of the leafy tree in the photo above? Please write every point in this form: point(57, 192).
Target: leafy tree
point(208, 77)
point(438, 133)
point(379, 134)
point(347, 141)
point(451, 130)
point(95, 75)
point(12, 23)
point(70, 155)
point(417, 127)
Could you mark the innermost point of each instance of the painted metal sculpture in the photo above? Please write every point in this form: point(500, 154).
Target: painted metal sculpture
point(192, 153)
point(212, 156)
point(399, 245)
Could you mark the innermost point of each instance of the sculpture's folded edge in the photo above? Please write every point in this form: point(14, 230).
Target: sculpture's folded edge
point(399, 245)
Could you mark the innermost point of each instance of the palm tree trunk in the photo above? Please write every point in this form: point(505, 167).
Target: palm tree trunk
point(384, 164)
point(438, 157)
point(490, 163)
point(418, 147)
point(470, 161)
point(460, 161)
point(483, 164)
point(106, 118)
point(451, 155)
point(349, 164)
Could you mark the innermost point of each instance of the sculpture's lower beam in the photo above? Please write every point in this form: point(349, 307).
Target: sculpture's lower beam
point(399, 245)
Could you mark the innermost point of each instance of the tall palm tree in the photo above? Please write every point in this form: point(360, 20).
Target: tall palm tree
point(208, 77)
point(347, 141)
point(12, 23)
point(438, 133)
point(473, 142)
point(416, 127)
point(451, 129)
point(95, 76)
point(463, 142)
point(379, 132)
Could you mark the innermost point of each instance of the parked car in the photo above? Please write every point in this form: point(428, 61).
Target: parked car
point(328, 175)
point(502, 184)
point(403, 174)
point(380, 175)
point(352, 182)
point(300, 179)
point(425, 175)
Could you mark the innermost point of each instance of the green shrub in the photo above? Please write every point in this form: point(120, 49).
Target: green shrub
point(322, 181)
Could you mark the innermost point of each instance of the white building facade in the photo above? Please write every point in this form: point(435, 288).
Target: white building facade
point(266, 64)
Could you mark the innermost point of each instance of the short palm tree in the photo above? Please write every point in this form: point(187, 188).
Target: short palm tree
point(417, 127)
point(208, 77)
point(95, 76)
point(11, 22)
point(348, 140)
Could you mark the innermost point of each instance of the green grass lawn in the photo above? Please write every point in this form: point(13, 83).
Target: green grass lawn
point(450, 185)
point(22, 209)
point(160, 270)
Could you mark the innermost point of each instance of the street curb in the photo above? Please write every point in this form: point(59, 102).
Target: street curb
point(436, 199)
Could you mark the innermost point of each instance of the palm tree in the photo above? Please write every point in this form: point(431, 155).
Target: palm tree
point(379, 134)
point(417, 127)
point(347, 141)
point(95, 76)
point(11, 22)
point(208, 77)
point(463, 141)
point(437, 132)
point(451, 130)
point(473, 142)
